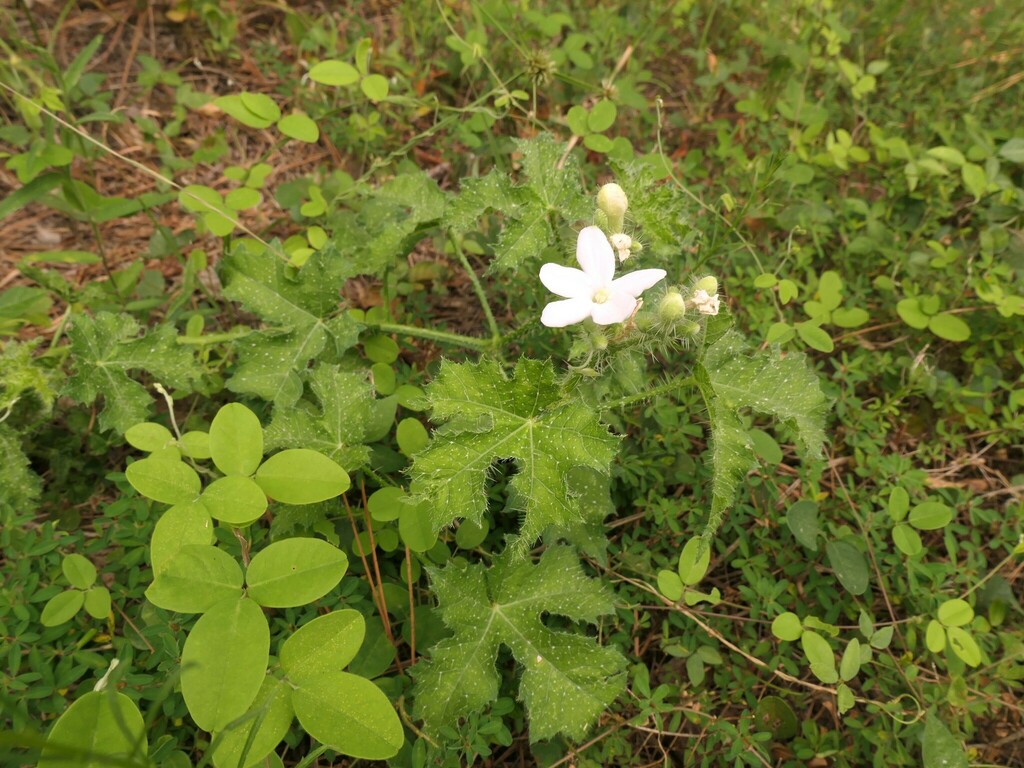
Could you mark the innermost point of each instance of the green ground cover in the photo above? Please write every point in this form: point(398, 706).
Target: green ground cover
point(296, 474)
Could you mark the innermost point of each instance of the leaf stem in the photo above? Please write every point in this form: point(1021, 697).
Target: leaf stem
point(639, 397)
point(442, 337)
point(478, 289)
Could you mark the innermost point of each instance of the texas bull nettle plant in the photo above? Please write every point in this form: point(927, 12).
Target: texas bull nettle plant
point(253, 552)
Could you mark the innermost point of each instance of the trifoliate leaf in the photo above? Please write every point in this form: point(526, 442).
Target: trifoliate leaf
point(105, 348)
point(488, 418)
point(338, 427)
point(302, 306)
point(568, 680)
point(731, 378)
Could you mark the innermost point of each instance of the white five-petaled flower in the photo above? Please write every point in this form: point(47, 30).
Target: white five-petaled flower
point(592, 292)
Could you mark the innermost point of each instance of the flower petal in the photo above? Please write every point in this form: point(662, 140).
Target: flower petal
point(566, 281)
point(619, 307)
point(559, 314)
point(595, 255)
point(637, 282)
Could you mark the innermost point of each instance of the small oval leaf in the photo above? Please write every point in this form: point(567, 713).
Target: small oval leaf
point(301, 476)
point(236, 440)
point(326, 644)
point(171, 482)
point(294, 572)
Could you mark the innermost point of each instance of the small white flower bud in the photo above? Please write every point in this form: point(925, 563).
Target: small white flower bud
point(612, 200)
point(622, 244)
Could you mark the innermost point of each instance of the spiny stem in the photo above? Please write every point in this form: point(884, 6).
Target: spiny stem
point(478, 289)
point(442, 337)
point(670, 386)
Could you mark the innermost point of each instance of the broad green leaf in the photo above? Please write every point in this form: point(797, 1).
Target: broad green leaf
point(301, 476)
point(374, 87)
point(209, 204)
point(149, 437)
point(975, 179)
point(338, 426)
point(385, 504)
point(949, 327)
point(270, 716)
point(730, 378)
point(820, 656)
point(105, 348)
point(939, 748)
point(694, 561)
point(935, 637)
point(911, 313)
point(814, 336)
point(62, 607)
point(899, 503)
point(301, 308)
point(350, 714)
point(236, 440)
point(597, 142)
point(299, 126)
point(242, 199)
point(907, 540)
point(568, 680)
point(416, 527)
point(179, 526)
point(224, 662)
point(411, 436)
point(670, 585)
point(98, 727)
point(391, 221)
point(195, 444)
point(97, 602)
point(849, 665)
point(1013, 150)
point(955, 613)
point(845, 700)
point(546, 191)
point(802, 519)
point(20, 304)
point(930, 516)
point(787, 626)
point(21, 486)
point(198, 577)
point(881, 638)
point(777, 717)
point(79, 571)
point(849, 565)
point(172, 482)
point(471, 535)
point(964, 646)
point(235, 500)
point(326, 644)
point(255, 110)
point(333, 72)
point(602, 116)
point(294, 572)
point(488, 418)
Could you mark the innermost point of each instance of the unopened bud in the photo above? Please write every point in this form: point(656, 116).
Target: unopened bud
point(672, 307)
point(612, 200)
point(599, 341)
point(707, 284)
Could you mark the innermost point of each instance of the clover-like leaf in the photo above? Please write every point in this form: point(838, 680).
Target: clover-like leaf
point(568, 680)
point(488, 418)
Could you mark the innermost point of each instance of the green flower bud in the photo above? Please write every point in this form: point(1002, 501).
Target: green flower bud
point(708, 284)
point(601, 219)
point(612, 200)
point(672, 307)
point(599, 340)
point(687, 328)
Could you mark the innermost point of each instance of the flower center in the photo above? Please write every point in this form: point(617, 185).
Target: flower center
point(600, 296)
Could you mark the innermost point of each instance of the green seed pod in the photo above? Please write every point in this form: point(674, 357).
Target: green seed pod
point(672, 307)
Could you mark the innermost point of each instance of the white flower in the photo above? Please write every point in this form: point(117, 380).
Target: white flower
point(592, 292)
point(704, 303)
